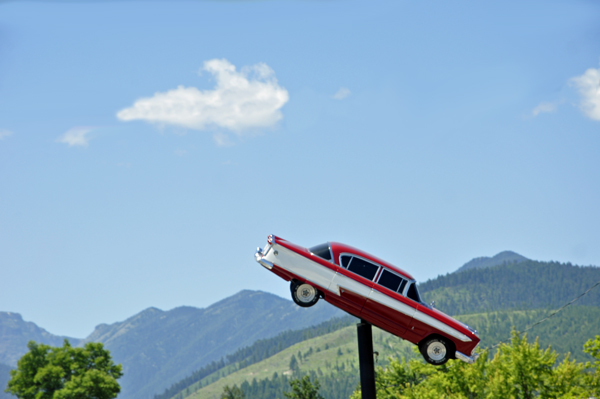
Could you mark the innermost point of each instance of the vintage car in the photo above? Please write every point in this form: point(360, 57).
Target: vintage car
point(371, 289)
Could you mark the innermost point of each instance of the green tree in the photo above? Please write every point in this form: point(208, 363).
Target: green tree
point(294, 363)
point(304, 389)
point(65, 372)
point(522, 370)
point(519, 370)
point(592, 347)
point(232, 393)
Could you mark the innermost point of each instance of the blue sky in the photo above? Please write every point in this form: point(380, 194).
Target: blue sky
point(147, 148)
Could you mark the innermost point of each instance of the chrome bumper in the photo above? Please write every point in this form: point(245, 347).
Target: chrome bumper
point(259, 257)
point(467, 359)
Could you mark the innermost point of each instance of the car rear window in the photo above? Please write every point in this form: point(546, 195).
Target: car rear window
point(391, 280)
point(413, 293)
point(322, 251)
point(363, 268)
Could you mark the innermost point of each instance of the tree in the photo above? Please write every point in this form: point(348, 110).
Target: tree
point(294, 363)
point(47, 372)
point(592, 347)
point(522, 369)
point(304, 389)
point(232, 393)
point(519, 370)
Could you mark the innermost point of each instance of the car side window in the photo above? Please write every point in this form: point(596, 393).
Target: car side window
point(391, 281)
point(413, 293)
point(345, 260)
point(363, 268)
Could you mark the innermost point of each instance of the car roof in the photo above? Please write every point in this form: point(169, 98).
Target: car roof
point(339, 248)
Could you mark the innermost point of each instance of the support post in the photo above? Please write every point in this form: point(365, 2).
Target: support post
point(365, 359)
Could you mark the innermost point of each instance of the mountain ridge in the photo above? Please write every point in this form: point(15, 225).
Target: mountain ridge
point(498, 259)
point(14, 329)
point(159, 347)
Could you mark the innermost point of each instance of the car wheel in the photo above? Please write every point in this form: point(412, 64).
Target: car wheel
point(436, 351)
point(303, 294)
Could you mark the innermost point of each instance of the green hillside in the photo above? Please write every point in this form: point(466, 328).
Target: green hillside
point(492, 299)
point(337, 366)
point(255, 353)
point(188, 348)
point(566, 332)
point(525, 285)
point(335, 353)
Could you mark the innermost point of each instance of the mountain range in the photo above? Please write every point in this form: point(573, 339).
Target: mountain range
point(494, 299)
point(158, 348)
point(161, 349)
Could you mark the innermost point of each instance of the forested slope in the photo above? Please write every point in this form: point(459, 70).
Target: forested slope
point(249, 355)
point(566, 332)
point(333, 359)
point(525, 285)
point(491, 299)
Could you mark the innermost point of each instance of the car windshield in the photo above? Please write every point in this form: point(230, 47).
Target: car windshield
point(322, 251)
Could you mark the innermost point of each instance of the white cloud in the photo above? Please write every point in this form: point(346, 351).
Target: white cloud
point(342, 93)
point(543, 107)
point(250, 98)
point(588, 85)
point(5, 133)
point(77, 136)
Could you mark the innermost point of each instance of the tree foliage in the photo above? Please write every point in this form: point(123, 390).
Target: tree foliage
point(519, 370)
point(304, 389)
point(294, 363)
point(232, 393)
point(47, 372)
point(592, 347)
point(335, 384)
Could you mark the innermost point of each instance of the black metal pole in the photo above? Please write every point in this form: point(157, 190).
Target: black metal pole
point(365, 359)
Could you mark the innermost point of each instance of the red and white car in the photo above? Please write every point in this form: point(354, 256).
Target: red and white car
point(371, 289)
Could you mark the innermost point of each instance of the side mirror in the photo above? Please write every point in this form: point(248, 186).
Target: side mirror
point(432, 304)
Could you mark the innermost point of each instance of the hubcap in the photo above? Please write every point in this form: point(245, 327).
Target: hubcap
point(436, 351)
point(306, 293)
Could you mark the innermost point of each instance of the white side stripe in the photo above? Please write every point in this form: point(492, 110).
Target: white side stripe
point(392, 303)
point(441, 326)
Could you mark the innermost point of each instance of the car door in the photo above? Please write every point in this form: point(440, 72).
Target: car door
point(353, 282)
point(386, 304)
point(420, 325)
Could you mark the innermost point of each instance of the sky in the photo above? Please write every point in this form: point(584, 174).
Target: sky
point(148, 147)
